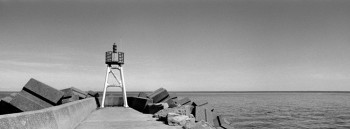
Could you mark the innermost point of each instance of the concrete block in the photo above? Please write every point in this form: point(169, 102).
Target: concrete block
point(158, 95)
point(68, 92)
point(43, 91)
point(170, 97)
point(215, 120)
point(224, 123)
point(6, 107)
point(36, 99)
point(200, 111)
point(25, 104)
point(184, 101)
point(171, 103)
point(209, 116)
point(71, 99)
point(199, 103)
point(93, 93)
point(142, 94)
point(138, 103)
point(152, 108)
point(171, 100)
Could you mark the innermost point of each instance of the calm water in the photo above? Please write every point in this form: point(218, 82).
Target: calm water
point(281, 110)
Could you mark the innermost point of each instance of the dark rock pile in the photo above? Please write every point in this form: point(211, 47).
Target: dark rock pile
point(178, 112)
point(36, 95)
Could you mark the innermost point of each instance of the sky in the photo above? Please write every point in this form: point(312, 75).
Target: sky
point(180, 45)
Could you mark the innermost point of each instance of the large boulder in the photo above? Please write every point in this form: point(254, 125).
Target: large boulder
point(182, 110)
point(175, 119)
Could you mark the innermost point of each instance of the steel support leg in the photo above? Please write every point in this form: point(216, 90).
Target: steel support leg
point(105, 88)
point(123, 88)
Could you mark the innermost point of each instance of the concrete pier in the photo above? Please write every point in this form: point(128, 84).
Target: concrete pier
point(121, 118)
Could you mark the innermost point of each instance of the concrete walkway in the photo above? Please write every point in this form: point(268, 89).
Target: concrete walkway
point(121, 118)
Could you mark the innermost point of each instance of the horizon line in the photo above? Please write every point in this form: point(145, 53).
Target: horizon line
point(310, 91)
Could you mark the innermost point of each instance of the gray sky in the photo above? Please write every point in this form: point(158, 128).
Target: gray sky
point(182, 45)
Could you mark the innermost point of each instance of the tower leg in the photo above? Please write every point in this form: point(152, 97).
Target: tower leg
point(123, 88)
point(105, 88)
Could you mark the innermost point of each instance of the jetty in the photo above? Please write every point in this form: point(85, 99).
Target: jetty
point(40, 106)
point(122, 118)
point(82, 114)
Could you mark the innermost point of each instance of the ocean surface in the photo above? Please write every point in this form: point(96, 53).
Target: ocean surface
point(281, 110)
point(278, 110)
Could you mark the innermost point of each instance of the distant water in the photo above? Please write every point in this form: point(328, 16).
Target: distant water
point(281, 110)
point(278, 110)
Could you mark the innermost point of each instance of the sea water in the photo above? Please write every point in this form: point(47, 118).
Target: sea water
point(281, 110)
